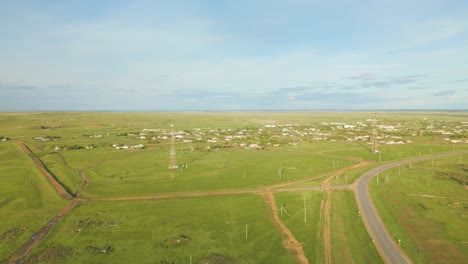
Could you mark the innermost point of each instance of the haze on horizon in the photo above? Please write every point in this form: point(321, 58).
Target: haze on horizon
point(233, 55)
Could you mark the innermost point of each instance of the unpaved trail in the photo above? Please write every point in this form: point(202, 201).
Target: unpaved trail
point(29, 246)
point(85, 183)
point(59, 188)
point(330, 175)
point(327, 230)
point(26, 248)
point(338, 156)
point(343, 170)
point(84, 179)
point(173, 195)
point(289, 241)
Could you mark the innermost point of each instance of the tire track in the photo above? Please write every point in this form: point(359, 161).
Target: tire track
point(327, 230)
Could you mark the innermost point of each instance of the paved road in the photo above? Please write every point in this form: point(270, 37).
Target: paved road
point(386, 246)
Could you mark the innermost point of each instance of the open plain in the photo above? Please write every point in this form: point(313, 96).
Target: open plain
point(249, 187)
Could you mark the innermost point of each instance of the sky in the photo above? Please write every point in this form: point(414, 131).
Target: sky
point(233, 55)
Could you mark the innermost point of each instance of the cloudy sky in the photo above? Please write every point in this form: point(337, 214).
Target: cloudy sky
point(233, 55)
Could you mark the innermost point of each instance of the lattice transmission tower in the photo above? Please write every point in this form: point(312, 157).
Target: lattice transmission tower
point(374, 135)
point(172, 153)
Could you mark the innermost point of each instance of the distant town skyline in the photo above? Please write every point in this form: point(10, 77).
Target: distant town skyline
point(233, 55)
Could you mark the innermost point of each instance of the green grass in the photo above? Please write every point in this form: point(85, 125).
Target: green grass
point(309, 233)
point(142, 231)
point(26, 204)
point(144, 172)
point(427, 214)
point(66, 175)
point(27, 200)
point(350, 241)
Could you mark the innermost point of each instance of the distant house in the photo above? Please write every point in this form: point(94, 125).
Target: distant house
point(253, 146)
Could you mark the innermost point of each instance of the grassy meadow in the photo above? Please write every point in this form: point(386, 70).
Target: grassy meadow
point(309, 233)
point(229, 151)
point(425, 207)
point(27, 200)
point(350, 241)
point(170, 231)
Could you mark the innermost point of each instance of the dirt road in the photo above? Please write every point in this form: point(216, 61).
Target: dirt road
point(289, 241)
point(327, 230)
point(59, 188)
point(28, 247)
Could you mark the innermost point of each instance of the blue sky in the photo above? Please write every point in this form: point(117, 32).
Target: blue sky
point(233, 55)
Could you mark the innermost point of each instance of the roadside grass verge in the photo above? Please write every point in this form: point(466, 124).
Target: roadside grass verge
point(425, 212)
point(350, 241)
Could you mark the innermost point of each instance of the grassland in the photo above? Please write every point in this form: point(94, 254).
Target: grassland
point(309, 233)
point(27, 200)
point(214, 149)
point(148, 231)
point(350, 240)
point(425, 210)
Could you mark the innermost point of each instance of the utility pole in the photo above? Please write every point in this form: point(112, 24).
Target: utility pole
point(280, 172)
point(246, 231)
point(305, 208)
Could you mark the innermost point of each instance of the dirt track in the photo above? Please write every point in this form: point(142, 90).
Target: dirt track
point(59, 188)
point(289, 241)
point(29, 246)
point(327, 230)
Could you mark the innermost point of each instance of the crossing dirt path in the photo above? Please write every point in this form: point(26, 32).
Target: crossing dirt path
point(289, 241)
point(31, 244)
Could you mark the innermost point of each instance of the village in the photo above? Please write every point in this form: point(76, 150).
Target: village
point(276, 135)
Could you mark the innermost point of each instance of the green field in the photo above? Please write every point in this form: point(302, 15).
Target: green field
point(148, 231)
point(27, 200)
point(309, 233)
point(424, 207)
point(350, 240)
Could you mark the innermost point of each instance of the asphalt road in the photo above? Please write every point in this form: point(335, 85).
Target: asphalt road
point(386, 245)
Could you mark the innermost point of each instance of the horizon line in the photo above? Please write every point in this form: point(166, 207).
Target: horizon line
point(239, 110)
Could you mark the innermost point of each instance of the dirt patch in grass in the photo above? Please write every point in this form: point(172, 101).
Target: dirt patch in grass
point(54, 254)
point(459, 177)
point(100, 250)
point(176, 241)
point(215, 258)
point(12, 233)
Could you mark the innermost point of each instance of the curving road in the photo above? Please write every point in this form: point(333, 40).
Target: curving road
point(386, 246)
